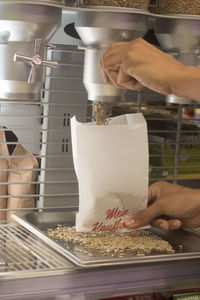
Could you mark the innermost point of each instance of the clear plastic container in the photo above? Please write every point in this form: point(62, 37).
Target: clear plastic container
point(191, 7)
point(138, 4)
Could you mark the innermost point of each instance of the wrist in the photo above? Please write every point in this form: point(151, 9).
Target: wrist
point(187, 83)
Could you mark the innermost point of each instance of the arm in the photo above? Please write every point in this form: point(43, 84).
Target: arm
point(135, 64)
point(188, 85)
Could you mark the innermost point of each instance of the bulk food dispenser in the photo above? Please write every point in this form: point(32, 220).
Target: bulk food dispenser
point(24, 34)
point(96, 30)
point(178, 33)
point(36, 104)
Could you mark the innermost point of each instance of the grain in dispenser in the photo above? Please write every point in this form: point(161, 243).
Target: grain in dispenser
point(178, 7)
point(138, 4)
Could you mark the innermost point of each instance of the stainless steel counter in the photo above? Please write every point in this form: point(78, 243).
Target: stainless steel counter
point(38, 272)
point(98, 283)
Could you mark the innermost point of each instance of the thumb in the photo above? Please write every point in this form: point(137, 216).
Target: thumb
point(143, 217)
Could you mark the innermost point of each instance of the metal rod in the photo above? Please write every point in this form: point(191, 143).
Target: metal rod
point(139, 102)
point(178, 137)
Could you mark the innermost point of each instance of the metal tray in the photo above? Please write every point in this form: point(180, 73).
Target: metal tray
point(39, 222)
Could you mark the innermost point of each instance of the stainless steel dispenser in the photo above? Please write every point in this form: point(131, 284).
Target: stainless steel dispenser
point(24, 32)
point(179, 36)
point(97, 29)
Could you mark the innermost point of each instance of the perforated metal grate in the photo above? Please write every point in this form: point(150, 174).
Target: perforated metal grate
point(23, 251)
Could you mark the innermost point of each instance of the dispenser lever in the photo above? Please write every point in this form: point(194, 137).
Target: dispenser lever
point(36, 61)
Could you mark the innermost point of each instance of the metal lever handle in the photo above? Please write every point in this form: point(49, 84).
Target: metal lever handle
point(36, 61)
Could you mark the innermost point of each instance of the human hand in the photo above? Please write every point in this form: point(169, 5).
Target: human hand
point(179, 204)
point(132, 65)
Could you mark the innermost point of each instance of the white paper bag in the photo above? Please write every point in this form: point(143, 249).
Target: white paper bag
point(111, 164)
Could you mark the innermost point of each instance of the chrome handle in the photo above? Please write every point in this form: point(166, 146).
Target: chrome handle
point(22, 58)
point(38, 46)
point(50, 64)
point(36, 61)
point(33, 75)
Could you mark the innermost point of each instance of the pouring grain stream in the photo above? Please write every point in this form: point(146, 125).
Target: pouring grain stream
point(102, 111)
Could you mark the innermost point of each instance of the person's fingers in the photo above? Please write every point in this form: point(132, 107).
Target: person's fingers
point(105, 76)
point(174, 224)
point(160, 223)
point(134, 233)
point(116, 48)
point(154, 191)
point(163, 224)
point(109, 71)
point(117, 44)
point(132, 85)
point(112, 75)
point(110, 60)
point(113, 56)
point(144, 217)
point(126, 81)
